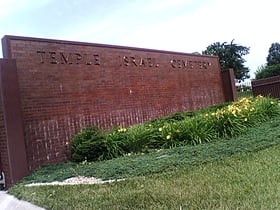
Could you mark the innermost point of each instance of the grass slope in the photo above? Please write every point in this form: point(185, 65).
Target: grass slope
point(238, 173)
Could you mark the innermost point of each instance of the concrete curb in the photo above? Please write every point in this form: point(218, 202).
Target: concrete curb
point(9, 202)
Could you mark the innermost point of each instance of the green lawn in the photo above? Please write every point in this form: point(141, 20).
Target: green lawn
point(247, 93)
point(238, 173)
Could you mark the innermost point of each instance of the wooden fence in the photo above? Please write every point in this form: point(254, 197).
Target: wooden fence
point(267, 87)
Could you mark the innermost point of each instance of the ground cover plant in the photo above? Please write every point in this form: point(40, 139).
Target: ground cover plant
point(179, 129)
point(241, 172)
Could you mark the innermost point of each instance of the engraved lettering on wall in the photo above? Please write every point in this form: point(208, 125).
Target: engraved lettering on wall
point(139, 61)
point(53, 57)
point(189, 64)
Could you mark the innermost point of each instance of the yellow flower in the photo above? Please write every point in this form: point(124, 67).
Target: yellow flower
point(245, 119)
point(206, 115)
point(122, 130)
point(168, 137)
point(160, 129)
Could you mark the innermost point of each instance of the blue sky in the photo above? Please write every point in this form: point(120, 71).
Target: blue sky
point(176, 25)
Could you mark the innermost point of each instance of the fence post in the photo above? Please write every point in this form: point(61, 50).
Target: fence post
point(229, 85)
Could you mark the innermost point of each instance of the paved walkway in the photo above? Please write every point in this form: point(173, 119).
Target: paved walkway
point(9, 202)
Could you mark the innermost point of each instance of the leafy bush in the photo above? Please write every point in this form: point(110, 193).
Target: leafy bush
point(268, 71)
point(175, 130)
point(133, 139)
point(266, 108)
point(90, 144)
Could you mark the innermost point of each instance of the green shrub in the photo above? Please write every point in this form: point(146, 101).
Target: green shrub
point(90, 144)
point(83, 143)
point(168, 135)
point(268, 71)
point(266, 108)
point(133, 139)
point(197, 131)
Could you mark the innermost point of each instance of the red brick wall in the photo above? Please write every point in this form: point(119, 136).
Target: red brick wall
point(4, 158)
point(66, 86)
point(12, 144)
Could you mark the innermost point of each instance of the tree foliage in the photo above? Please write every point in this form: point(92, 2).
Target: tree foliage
point(268, 71)
point(272, 67)
point(230, 56)
point(273, 54)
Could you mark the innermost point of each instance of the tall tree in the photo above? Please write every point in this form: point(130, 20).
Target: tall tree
point(230, 56)
point(273, 54)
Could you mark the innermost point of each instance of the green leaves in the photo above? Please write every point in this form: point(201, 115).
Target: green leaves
point(272, 67)
point(273, 57)
point(175, 130)
point(231, 56)
point(91, 144)
point(268, 71)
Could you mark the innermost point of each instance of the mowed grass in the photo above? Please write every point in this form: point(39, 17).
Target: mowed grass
point(238, 173)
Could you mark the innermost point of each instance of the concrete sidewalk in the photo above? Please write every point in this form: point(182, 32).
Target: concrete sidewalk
point(9, 202)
